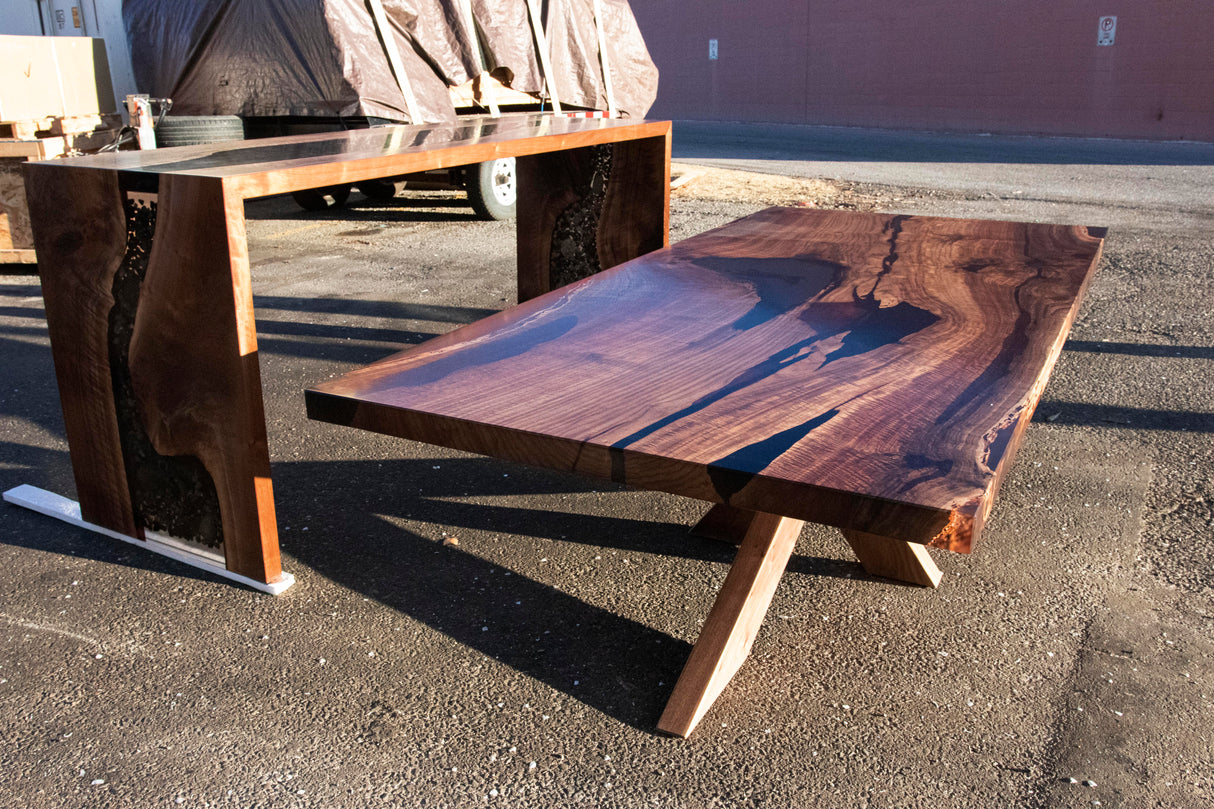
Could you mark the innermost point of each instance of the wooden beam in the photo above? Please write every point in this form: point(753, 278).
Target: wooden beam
point(894, 558)
point(541, 45)
point(603, 60)
point(724, 523)
point(733, 622)
point(380, 18)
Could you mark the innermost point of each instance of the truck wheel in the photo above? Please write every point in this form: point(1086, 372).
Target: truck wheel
point(321, 199)
point(379, 190)
point(191, 130)
point(491, 189)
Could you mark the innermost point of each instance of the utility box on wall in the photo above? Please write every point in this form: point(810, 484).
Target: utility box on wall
point(53, 77)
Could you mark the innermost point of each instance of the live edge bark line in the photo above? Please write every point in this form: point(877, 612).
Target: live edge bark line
point(160, 388)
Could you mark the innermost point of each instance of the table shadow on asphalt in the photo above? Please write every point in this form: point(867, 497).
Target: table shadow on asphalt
point(29, 365)
point(20, 289)
point(22, 312)
point(554, 637)
point(1141, 349)
point(403, 310)
point(355, 345)
point(1114, 416)
point(329, 344)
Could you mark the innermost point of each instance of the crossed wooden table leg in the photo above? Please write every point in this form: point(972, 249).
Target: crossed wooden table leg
point(765, 543)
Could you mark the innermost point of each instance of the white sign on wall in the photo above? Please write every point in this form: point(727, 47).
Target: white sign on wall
point(712, 49)
point(1106, 31)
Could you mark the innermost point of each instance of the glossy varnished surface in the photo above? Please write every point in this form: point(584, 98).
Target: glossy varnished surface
point(274, 165)
point(868, 371)
point(145, 271)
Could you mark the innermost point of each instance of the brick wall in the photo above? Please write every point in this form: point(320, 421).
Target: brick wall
point(1009, 66)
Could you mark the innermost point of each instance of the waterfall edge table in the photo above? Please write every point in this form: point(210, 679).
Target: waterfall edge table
point(145, 275)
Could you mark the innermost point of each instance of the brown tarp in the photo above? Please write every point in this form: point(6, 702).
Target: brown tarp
point(326, 58)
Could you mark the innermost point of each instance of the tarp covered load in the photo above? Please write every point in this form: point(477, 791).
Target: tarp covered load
point(330, 58)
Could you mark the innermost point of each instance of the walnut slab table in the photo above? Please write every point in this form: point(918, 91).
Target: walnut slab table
point(870, 372)
point(146, 280)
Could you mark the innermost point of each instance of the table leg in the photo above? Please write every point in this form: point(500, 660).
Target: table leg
point(894, 558)
point(733, 621)
point(724, 523)
point(194, 365)
point(585, 210)
point(150, 314)
point(880, 556)
point(80, 235)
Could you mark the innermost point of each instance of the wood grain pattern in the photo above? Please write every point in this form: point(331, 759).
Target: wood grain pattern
point(635, 219)
point(867, 371)
point(193, 361)
point(185, 344)
point(585, 210)
point(85, 251)
point(734, 621)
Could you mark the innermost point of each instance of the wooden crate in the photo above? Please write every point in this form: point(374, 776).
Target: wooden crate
point(52, 126)
point(16, 238)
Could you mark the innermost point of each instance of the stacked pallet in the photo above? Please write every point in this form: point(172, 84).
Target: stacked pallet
point(40, 139)
point(55, 100)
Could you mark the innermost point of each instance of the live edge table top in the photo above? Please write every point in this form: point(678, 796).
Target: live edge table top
point(868, 371)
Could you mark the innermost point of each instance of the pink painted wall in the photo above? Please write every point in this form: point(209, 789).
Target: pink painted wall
point(1009, 66)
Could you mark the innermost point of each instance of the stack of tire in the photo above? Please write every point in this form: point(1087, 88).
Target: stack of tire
point(192, 130)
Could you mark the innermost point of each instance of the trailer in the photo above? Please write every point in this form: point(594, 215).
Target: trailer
point(262, 68)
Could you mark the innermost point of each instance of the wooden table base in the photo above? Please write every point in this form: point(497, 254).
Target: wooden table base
point(765, 544)
point(888, 558)
point(733, 622)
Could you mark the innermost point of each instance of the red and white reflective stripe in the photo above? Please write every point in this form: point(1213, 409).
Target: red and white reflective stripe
point(586, 114)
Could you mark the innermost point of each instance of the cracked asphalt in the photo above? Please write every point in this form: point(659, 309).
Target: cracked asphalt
point(466, 632)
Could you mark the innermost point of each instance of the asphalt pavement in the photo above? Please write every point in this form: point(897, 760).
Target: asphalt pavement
point(466, 632)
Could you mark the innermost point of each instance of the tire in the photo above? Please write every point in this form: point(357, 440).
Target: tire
point(321, 199)
point(379, 190)
point(191, 130)
point(491, 189)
